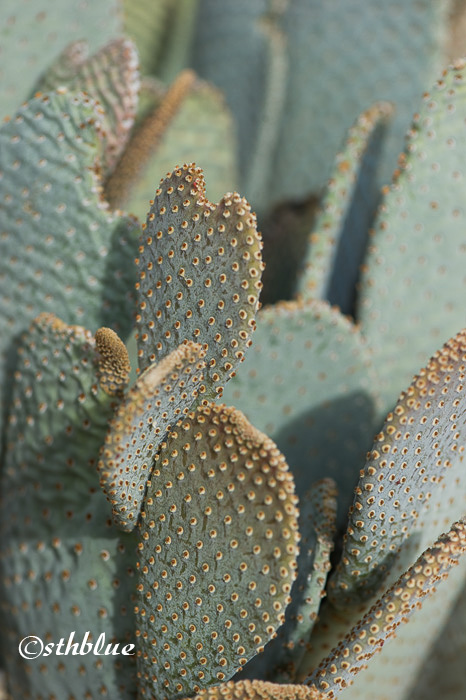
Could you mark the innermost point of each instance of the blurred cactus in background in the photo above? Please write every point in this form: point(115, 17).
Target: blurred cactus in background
point(206, 458)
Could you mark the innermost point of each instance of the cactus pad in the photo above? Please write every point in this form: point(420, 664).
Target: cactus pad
point(411, 32)
point(413, 281)
point(190, 122)
point(51, 204)
point(146, 23)
point(154, 403)
point(64, 567)
point(337, 242)
point(260, 690)
point(442, 671)
point(308, 382)
point(395, 607)
point(199, 275)
point(420, 444)
point(217, 550)
point(150, 133)
point(318, 525)
point(241, 75)
point(397, 668)
point(31, 38)
point(110, 76)
point(281, 657)
point(320, 86)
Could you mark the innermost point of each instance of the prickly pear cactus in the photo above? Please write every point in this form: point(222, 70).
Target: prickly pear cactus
point(160, 395)
point(145, 22)
point(317, 525)
point(253, 690)
point(446, 654)
point(393, 522)
point(112, 77)
point(189, 122)
point(339, 236)
point(199, 536)
point(395, 607)
point(406, 451)
point(93, 374)
point(309, 382)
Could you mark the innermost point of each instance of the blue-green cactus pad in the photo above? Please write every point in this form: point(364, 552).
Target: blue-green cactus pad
point(400, 604)
point(61, 249)
point(281, 657)
point(191, 122)
point(153, 404)
point(218, 547)
point(306, 70)
point(339, 236)
point(309, 383)
point(111, 76)
point(145, 22)
point(64, 567)
point(413, 281)
point(415, 459)
point(199, 275)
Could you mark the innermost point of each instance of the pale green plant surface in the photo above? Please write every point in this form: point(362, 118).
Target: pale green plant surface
point(133, 502)
point(31, 37)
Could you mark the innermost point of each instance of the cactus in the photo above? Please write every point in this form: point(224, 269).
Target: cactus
point(394, 608)
point(257, 547)
point(238, 540)
point(111, 75)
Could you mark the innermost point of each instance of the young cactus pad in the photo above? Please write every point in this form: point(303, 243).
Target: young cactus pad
point(160, 395)
point(339, 237)
point(190, 121)
point(281, 657)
